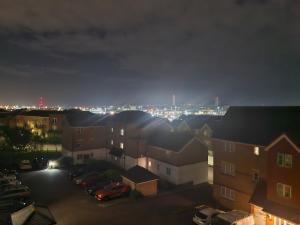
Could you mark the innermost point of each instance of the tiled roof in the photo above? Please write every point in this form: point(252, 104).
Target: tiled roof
point(173, 141)
point(258, 125)
point(139, 174)
point(85, 119)
point(198, 121)
point(138, 118)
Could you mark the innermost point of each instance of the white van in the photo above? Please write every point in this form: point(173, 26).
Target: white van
point(204, 214)
point(234, 217)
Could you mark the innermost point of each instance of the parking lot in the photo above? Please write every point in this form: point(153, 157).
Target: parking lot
point(70, 205)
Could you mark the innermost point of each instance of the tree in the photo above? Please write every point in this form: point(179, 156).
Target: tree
point(17, 138)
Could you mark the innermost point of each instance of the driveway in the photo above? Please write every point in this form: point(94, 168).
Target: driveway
point(70, 205)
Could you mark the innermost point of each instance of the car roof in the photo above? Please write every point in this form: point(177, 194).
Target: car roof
point(233, 215)
point(206, 210)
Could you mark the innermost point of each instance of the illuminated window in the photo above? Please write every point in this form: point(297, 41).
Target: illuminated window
point(112, 142)
point(112, 129)
point(149, 163)
point(54, 120)
point(121, 145)
point(256, 150)
point(284, 190)
point(122, 132)
point(284, 160)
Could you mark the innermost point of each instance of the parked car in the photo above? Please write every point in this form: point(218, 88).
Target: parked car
point(12, 187)
point(76, 172)
point(79, 179)
point(98, 186)
point(16, 193)
point(16, 203)
point(203, 214)
point(92, 180)
point(113, 191)
point(234, 217)
point(25, 165)
point(12, 181)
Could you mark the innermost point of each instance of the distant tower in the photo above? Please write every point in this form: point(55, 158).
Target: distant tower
point(217, 101)
point(41, 102)
point(173, 100)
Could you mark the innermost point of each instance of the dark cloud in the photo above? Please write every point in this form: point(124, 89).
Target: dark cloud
point(153, 48)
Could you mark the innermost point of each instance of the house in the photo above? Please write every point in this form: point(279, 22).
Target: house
point(201, 126)
point(276, 199)
point(128, 132)
point(142, 180)
point(84, 136)
point(177, 157)
point(243, 158)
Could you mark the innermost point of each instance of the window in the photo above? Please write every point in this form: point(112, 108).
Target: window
point(279, 221)
point(149, 163)
point(54, 120)
point(79, 156)
point(168, 171)
point(255, 175)
point(229, 147)
point(112, 142)
point(284, 190)
point(122, 132)
point(228, 168)
point(228, 193)
point(121, 145)
point(256, 150)
point(284, 160)
point(112, 130)
point(157, 167)
point(80, 131)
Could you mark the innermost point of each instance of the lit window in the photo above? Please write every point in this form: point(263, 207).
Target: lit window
point(112, 129)
point(284, 160)
point(149, 163)
point(122, 132)
point(256, 150)
point(284, 190)
point(112, 142)
point(121, 145)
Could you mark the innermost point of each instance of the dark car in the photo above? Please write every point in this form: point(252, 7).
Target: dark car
point(92, 180)
point(114, 190)
point(98, 186)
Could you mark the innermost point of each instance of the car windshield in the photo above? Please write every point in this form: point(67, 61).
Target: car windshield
point(200, 215)
point(219, 221)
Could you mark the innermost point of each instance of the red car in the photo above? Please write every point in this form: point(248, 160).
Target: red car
point(90, 181)
point(112, 191)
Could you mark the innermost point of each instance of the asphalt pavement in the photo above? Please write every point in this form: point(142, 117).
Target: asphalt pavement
point(70, 205)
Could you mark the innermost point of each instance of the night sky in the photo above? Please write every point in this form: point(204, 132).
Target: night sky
point(93, 52)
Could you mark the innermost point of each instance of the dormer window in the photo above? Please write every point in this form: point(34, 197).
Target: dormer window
point(122, 132)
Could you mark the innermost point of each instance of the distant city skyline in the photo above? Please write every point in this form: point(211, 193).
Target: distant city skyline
point(141, 52)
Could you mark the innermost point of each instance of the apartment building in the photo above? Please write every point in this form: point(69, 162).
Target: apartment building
point(84, 136)
point(276, 199)
point(247, 152)
point(38, 121)
point(177, 157)
point(128, 132)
